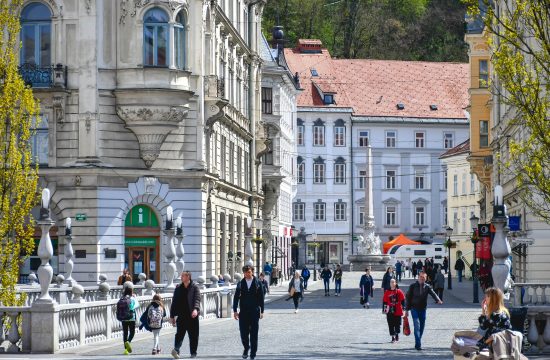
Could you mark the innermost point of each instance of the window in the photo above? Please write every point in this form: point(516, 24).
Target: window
point(463, 184)
point(267, 100)
point(299, 211)
point(448, 140)
point(318, 135)
point(300, 136)
point(455, 185)
point(419, 139)
point(419, 218)
point(363, 138)
point(419, 179)
point(390, 139)
point(36, 34)
point(179, 40)
point(223, 165)
point(445, 180)
point(300, 171)
point(361, 215)
point(318, 173)
point(232, 171)
point(362, 178)
point(340, 211)
point(472, 183)
point(484, 133)
point(483, 74)
point(40, 140)
point(314, 72)
point(463, 222)
point(239, 166)
point(339, 136)
point(340, 172)
point(319, 211)
point(445, 219)
point(155, 38)
point(246, 170)
point(391, 216)
point(391, 176)
point(328, 99)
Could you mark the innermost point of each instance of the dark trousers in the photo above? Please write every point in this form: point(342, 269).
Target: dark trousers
point(296, 298)
point(326, 282)
point(305, 282)
point(439, 292)
point(398, 275)
point(394, 324)
point(128, 330)
point(249, 326)
point(190, 326)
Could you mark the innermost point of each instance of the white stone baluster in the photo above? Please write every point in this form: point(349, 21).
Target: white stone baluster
point(69, 253)
point(13, 335)
point(45, 250)
point(546, 332)
point(170, 250)
point(533, 333)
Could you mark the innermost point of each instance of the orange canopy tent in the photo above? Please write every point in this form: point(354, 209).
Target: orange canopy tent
point(400, 240)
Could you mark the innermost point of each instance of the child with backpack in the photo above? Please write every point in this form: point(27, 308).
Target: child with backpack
point(125, 312)
point(155, 315)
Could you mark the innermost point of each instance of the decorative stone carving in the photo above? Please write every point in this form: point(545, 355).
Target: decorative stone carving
point(88, 5)
point(149, 183)
point(174, 4)
point(58, 105)
point(124, 8)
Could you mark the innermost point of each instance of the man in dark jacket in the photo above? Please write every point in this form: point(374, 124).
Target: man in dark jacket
point(186, 305)
point(459, 267)
point(417, 302)
point(366, 284)
point(326, 274)
point(249, 298)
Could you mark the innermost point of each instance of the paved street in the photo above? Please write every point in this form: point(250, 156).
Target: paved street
point(325, 328)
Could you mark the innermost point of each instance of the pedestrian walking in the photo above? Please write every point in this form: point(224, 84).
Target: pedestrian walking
point(305, 275)
point(326, 274)
point(398, 268)
point(275, 273)
point(184, 314)
point(124, 277)
point(267, 271)
point(264, 283)
point(366, 286)
point(413, 269)
point(126, 313)
point(248, 308)
point(296, 290)
point(439, 284)
point(494, 315)
point(445, 264)
point(337, 277)
point(459, 267)
point(417, 302)
point(386, 279)
point(393, 308)
point(154, 316)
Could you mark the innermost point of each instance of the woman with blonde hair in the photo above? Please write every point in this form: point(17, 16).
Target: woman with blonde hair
point(155, 317)
point(494, 316)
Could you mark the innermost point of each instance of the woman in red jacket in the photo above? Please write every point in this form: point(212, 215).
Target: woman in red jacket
point(393, 307)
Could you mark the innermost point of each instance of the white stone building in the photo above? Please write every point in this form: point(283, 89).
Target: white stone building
point(151, 103)
point(409, 112)
point(279, 92)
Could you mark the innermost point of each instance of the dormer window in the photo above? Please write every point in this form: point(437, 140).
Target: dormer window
point(433, 107)
point(328, 99)
point(400, 106)
point(314, 72)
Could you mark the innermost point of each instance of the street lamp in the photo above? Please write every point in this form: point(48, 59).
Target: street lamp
point(449, 243)
point(474, 221)
point(258, 223)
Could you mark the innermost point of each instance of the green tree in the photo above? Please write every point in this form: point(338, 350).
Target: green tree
point(520, 44)
point(18, 175)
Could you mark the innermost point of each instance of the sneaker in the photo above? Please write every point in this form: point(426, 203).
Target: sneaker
point(397, 337)
point(393, 339)
point(154, 352)
point(418, 348)
point(193, 356)
point(245, 354)
point(368, 306)
point(296, 311)
point(128, 346)
point(158, 351)
point(175, 354)
point(126, 352)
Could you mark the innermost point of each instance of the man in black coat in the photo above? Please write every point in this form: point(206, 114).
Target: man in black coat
point(249, 298)
point(186, 305)
point(459, 267)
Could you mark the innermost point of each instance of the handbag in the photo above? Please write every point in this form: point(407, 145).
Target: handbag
point(406, 326)
point(292, 291)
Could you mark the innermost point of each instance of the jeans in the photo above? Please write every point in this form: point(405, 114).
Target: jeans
point(326, 282)
point(419, 320)
point(128, 330)
point(305, 282)
point(248, 327)
point(459, 275)
point(337, 286)
point(190, 326)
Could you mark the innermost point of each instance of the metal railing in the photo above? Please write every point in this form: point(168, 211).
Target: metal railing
point(43, 76)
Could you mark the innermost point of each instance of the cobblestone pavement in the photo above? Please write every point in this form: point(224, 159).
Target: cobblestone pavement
point(324, 328)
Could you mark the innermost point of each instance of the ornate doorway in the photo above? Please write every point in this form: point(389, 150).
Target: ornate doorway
point(142, 243)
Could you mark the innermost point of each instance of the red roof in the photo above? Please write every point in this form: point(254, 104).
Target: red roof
point(375, 87)
point(463, 148)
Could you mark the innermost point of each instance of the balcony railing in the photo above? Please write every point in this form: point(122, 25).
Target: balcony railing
point(44, 76)
point(214, 86)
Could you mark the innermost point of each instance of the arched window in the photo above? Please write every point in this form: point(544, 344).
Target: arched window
point(179, 41)
point(155, 38)
point(36, 32)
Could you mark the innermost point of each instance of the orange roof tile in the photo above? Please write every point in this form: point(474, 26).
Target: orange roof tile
point(375, 87)
point(463, 148)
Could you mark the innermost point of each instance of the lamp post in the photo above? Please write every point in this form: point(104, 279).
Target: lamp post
point(449, 243)
point(258, 240)
point(171, 250)
point(69, 264)
point(248, 250)
point(474, 221)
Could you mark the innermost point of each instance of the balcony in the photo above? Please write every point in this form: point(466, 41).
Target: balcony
point(44, 76)
point(214, 87)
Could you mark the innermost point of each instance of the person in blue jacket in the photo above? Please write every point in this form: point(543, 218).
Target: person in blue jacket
point(305, 275)
point(326, 275)
point(398, 268)
point(366, 285)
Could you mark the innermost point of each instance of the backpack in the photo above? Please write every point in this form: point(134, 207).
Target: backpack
point(123, 312)
point(154, 315)
point(305, 273)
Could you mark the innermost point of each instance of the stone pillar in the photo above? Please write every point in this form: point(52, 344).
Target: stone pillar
point(170, 254)
point(45, 251)
point(501, 247)
point(44, 328)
